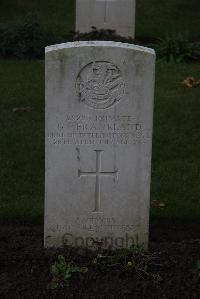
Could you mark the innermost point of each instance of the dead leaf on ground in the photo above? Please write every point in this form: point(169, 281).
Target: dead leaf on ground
point(158, 204)
point(22, 109)
point(191, 82)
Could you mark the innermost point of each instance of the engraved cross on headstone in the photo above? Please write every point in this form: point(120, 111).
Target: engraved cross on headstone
point(98, 173)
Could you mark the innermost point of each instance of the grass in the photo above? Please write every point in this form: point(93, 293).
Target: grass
point(154, 18)
point(57, 16)
point(176, 143)
point(22, 140)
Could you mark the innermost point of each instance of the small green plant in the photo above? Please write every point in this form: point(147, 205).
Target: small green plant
point(121, 257)
point(98, 34)
point(136, 248)
point(25, 38)
point(62, 272)
point(134, 259)
point(177, 48)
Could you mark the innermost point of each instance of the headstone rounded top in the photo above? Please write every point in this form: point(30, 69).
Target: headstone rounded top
point(99, 44)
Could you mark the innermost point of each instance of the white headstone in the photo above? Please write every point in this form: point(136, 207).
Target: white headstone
point(118, 15)
point(99, 111)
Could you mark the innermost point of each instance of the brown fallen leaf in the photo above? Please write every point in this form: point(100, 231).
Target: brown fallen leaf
point(22, 109)
point(157, 204)
point(161, 205)
point(191, 82)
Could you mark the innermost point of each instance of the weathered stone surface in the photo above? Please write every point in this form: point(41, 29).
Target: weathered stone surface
point(118, 15)
point(99, 111)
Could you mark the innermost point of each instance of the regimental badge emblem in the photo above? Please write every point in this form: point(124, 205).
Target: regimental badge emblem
point(100, 85)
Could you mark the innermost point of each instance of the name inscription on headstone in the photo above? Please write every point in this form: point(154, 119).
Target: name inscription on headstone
point(98, 129)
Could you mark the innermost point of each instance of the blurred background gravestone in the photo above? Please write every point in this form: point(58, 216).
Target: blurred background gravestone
point(118, 15)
